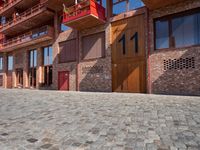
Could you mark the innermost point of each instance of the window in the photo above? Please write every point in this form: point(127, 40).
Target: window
point(1, 63)
point(64, 28)
point(48, 56)
point(32, 67)
point(162, 34)
point(94, 46)
point(177, 31)
point(33, 58)
point(10, 63)
point(67, 51)
point(48, 68)
point(120, 6)
point(3, 20)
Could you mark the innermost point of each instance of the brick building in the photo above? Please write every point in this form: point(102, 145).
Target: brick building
point(147, 46)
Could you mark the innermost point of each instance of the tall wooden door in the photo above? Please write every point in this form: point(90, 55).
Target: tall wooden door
point(129, 55)
point(63, 80)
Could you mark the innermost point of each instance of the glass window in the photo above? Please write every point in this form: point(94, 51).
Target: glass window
point(1, 63)
point(185, 31)
point(48, 55)
point(3, 20)
point(64, 28)
point(119, 8)
point(124, 6)
point(33, 58)
point(10, 63)
point(162, 34)
point(134, 4)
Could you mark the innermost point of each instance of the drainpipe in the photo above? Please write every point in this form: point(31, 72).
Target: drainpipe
point(149, 53)
point(78, 61)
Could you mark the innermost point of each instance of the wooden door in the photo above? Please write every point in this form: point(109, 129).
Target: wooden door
point(1, 80)
point(63, 80)
point(129, 55)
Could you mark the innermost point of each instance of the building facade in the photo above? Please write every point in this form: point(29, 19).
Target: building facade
point(111, 46)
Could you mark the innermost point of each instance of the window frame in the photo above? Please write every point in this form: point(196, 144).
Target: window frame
point(169, 19)
point(10, 69)
point(48, 55)
point(47, 82)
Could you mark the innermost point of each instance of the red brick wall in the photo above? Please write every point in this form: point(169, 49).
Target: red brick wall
point(184, 81)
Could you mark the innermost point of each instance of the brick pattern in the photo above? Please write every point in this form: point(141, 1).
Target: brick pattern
point(179, 81)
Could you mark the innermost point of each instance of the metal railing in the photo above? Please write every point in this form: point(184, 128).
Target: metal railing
point(81, 7)
point(6, 5)
point(27, 36)
point(24, 15)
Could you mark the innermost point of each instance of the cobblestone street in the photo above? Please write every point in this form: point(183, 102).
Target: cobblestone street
point(37, 120)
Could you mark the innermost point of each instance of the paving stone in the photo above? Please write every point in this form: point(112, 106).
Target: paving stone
point(97, 121)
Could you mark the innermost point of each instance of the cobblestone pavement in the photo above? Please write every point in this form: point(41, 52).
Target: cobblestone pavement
point(39, 120)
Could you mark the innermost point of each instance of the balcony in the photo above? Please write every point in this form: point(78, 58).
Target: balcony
point(154, 4)
point(31, 18)
point(84, 15)
point(42, 34)
point(8, 8)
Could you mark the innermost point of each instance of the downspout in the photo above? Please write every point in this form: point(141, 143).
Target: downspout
point(78, 61)
point(149, 53)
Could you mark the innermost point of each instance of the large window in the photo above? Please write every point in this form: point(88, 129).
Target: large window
point(1, 63)
point(177, 31)
point(10, 63)
point(67, 51)
point(32, 67)
point(48, 55)
point(48, 68)
point(120, 6)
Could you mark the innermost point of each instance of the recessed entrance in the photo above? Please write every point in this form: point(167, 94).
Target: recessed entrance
point(128, 55)
point(19, 77)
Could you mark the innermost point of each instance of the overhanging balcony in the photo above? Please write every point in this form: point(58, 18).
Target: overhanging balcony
point(154, 4)
point(8, 8)
point(84, 15)
point(42, 34)
point(33, 17)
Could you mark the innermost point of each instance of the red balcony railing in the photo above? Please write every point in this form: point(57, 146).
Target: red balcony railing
point(27, 37)
point(80, 11)
point(24, 15)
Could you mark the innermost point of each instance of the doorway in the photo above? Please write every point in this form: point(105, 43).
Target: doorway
point(19, 76)
point(129, 55)
point(63, 80)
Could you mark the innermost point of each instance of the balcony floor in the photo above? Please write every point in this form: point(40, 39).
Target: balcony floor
point(85, 22)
